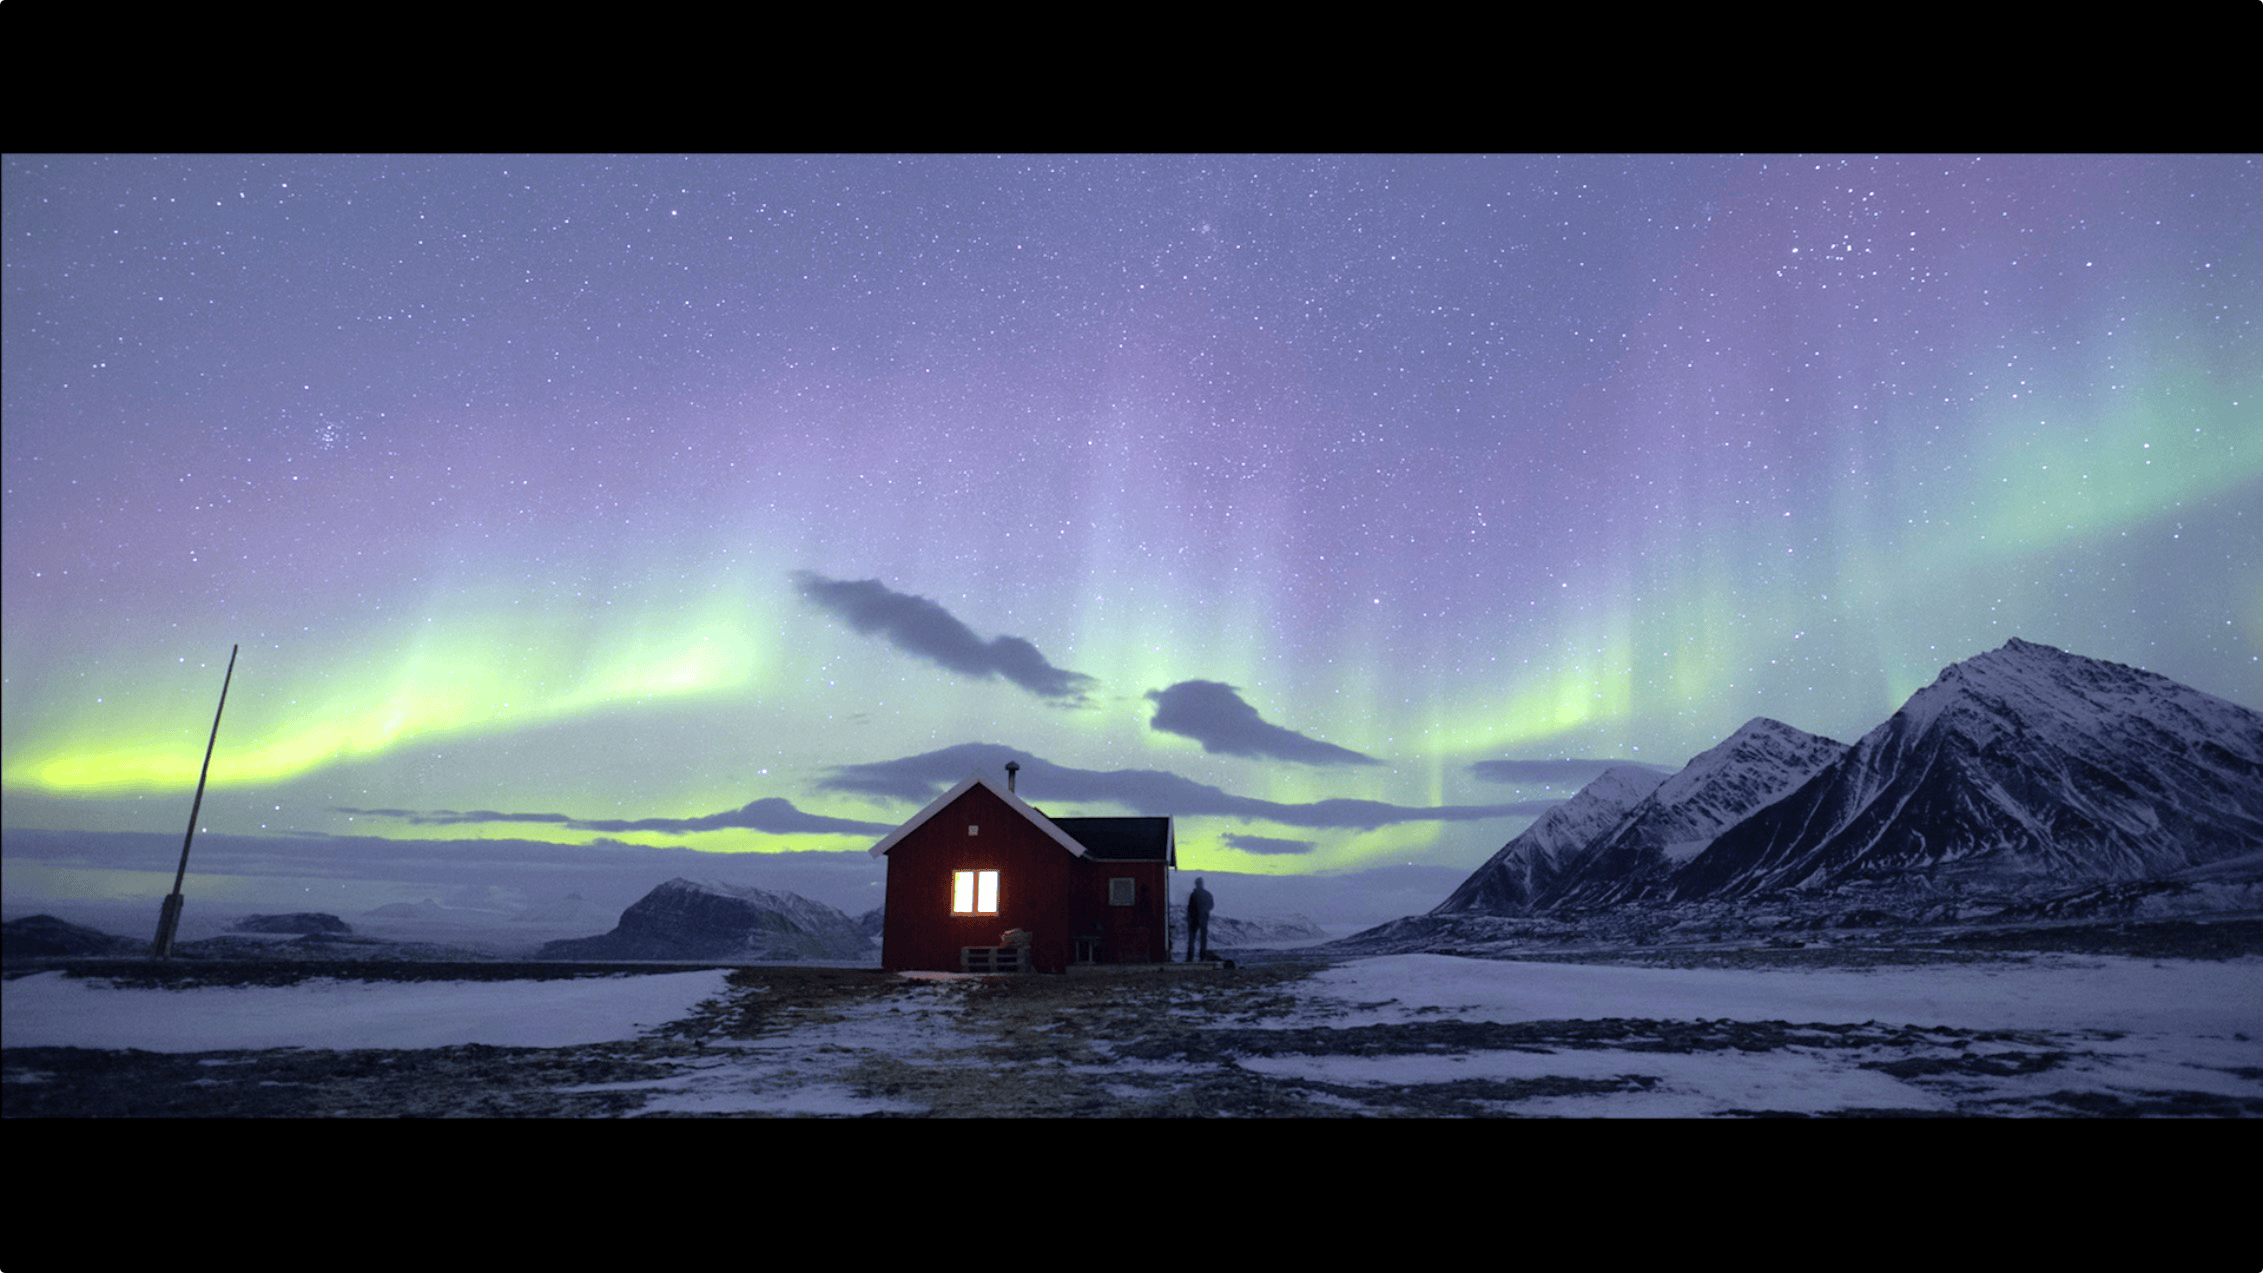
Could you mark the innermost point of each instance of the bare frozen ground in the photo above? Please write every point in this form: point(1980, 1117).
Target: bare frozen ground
point(1412, 1035)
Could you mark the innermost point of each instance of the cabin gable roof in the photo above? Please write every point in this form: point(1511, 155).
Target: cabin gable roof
point(1051, 830)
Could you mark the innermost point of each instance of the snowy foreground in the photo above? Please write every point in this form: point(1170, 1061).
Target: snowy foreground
point(2182, 1026)
point(1403, 1034)
point(50, 1010)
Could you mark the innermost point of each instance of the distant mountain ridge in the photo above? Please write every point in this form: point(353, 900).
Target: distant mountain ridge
point(2023, 772)
point(1529, 870)
point(1749, 771)
point(2023, 768)
point(46, 937)
point(703, 919)
point(298, 923)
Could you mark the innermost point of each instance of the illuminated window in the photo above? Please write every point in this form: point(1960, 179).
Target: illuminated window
point(974, 892)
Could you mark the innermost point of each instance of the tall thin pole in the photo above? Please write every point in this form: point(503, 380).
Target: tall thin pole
point(169, 919)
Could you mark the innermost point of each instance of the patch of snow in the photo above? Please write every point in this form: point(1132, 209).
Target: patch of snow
point(51, 1010)
point(2054, 992)
point(1685, 1085)
point(2133, 1027)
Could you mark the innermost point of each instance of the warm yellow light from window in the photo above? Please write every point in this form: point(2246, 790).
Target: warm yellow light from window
point(974, 892)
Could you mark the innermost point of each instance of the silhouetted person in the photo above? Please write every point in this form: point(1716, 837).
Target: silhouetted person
point(1198, 919)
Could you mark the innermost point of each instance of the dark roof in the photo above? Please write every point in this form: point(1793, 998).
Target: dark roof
point(1121, 839)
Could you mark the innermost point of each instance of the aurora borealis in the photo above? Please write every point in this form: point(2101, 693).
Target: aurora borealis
point(1332, 504)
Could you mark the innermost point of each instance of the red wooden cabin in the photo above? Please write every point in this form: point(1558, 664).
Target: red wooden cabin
point(979, 862)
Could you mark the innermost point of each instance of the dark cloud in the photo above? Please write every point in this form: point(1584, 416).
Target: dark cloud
point(1266, 844)
point(1215, 716)
point(923, 629)
point(772, 815)
point(918, 779)
point(1577, 773)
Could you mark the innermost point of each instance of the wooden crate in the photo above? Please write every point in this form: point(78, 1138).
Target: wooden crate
point(994, 959)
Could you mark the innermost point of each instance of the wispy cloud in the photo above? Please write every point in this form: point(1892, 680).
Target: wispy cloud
point(1576, 773)
point(452, 817)
point(917, 779)
point(1266, 844)
point(925, 630)
point(772, 815)
point(1216, 716)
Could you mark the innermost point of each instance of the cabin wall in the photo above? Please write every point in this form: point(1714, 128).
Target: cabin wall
point(1136, 934)
point(1036, 877)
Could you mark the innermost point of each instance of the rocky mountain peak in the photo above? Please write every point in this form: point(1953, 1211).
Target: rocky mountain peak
point(2022, 769)
point(1529, 867)
point(1758, 742)
point(1752, 768)
point(2026, 693)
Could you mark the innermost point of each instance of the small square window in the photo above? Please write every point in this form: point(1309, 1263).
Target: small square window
point(974, 892)
point(1123, 891)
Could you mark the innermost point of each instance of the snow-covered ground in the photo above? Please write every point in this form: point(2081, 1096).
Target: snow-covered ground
point(51, 1010)
point(2053, 992)
point(2181, 1026)
point(2124, 1028)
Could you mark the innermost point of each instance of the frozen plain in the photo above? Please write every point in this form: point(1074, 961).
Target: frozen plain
point(2146, 1026)
point(1997, 1036)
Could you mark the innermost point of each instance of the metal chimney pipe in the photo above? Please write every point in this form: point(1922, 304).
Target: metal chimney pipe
point(1012, 767)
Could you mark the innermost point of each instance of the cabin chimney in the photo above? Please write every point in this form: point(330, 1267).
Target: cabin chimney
point(1012, 767)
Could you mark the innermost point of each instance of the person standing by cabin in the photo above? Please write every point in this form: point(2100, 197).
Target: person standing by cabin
point(1198, 919)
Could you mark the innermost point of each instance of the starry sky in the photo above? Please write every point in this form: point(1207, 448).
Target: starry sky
point(1351, 509)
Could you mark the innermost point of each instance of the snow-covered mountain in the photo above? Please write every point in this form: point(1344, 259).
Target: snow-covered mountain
point(1750, 770)
point(2023, 772)
point(1529, 868)
point(702, 919)
point(2024, 769)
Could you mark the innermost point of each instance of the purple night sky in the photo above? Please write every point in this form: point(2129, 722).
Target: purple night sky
point(1349, 509)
